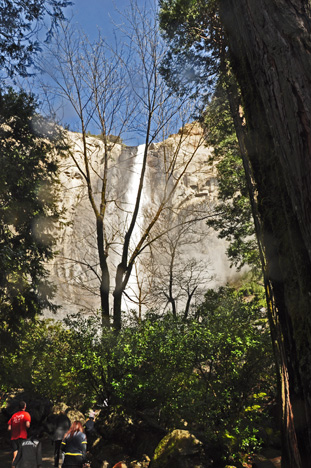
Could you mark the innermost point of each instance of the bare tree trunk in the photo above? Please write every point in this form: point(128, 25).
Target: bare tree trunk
point(269, 45)
point(170, 296)
point(104, 279)
point(189, 298)
point(117, 297)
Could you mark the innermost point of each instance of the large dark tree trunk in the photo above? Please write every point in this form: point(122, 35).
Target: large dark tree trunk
point(270, 46)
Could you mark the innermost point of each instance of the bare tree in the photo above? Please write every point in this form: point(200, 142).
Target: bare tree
point(120, 90)
point(179, 270)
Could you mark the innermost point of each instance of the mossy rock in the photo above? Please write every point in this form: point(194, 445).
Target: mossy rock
point(59, 408)
point(75, 415)
point(179, 449)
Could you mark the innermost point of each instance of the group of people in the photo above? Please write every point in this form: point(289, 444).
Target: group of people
point(69, 439)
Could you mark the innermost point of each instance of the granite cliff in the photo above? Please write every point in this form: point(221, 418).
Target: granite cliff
point(199, 255)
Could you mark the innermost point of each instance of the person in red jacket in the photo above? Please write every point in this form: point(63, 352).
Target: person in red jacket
point(18, 425)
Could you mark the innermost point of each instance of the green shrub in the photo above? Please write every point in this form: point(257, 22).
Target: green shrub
point(212, 373)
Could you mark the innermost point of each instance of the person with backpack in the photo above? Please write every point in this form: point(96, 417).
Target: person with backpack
point(90, 424)
point(29, 454)
point(62, 425)
point(73, 446)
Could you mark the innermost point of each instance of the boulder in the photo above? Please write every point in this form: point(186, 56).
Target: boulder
point(59, 408)
point(179, 449)
point(75, 415)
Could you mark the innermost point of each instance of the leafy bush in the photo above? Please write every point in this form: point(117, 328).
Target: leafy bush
point(212, 373)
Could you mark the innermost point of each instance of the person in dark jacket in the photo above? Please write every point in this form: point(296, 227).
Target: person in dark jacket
point(90, 424)
point(73, 446)
point(29, 454)
point(62, 426)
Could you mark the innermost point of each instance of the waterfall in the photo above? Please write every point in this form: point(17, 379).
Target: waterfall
point(131, 196)
point(77, 240)
point(133, 184)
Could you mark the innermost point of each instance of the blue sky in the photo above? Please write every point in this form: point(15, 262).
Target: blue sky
point(93, 14)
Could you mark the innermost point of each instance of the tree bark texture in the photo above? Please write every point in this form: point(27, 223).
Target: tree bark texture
point(269, 46)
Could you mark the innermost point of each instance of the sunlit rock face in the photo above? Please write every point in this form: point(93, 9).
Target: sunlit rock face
point(75, 269)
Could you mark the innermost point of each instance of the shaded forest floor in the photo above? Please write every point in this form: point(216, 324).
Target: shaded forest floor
point(269, 458)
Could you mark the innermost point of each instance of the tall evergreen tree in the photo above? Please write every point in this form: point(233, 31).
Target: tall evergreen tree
point(20, 22)
point(28, 171)
point(28, 209)
point(266, 44)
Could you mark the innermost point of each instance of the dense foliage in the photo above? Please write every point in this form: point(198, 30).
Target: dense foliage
point(20, 23)
point(212, 374)
point(233, 216)
point(28, 197)
point(28, 211)
point(197, 47)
